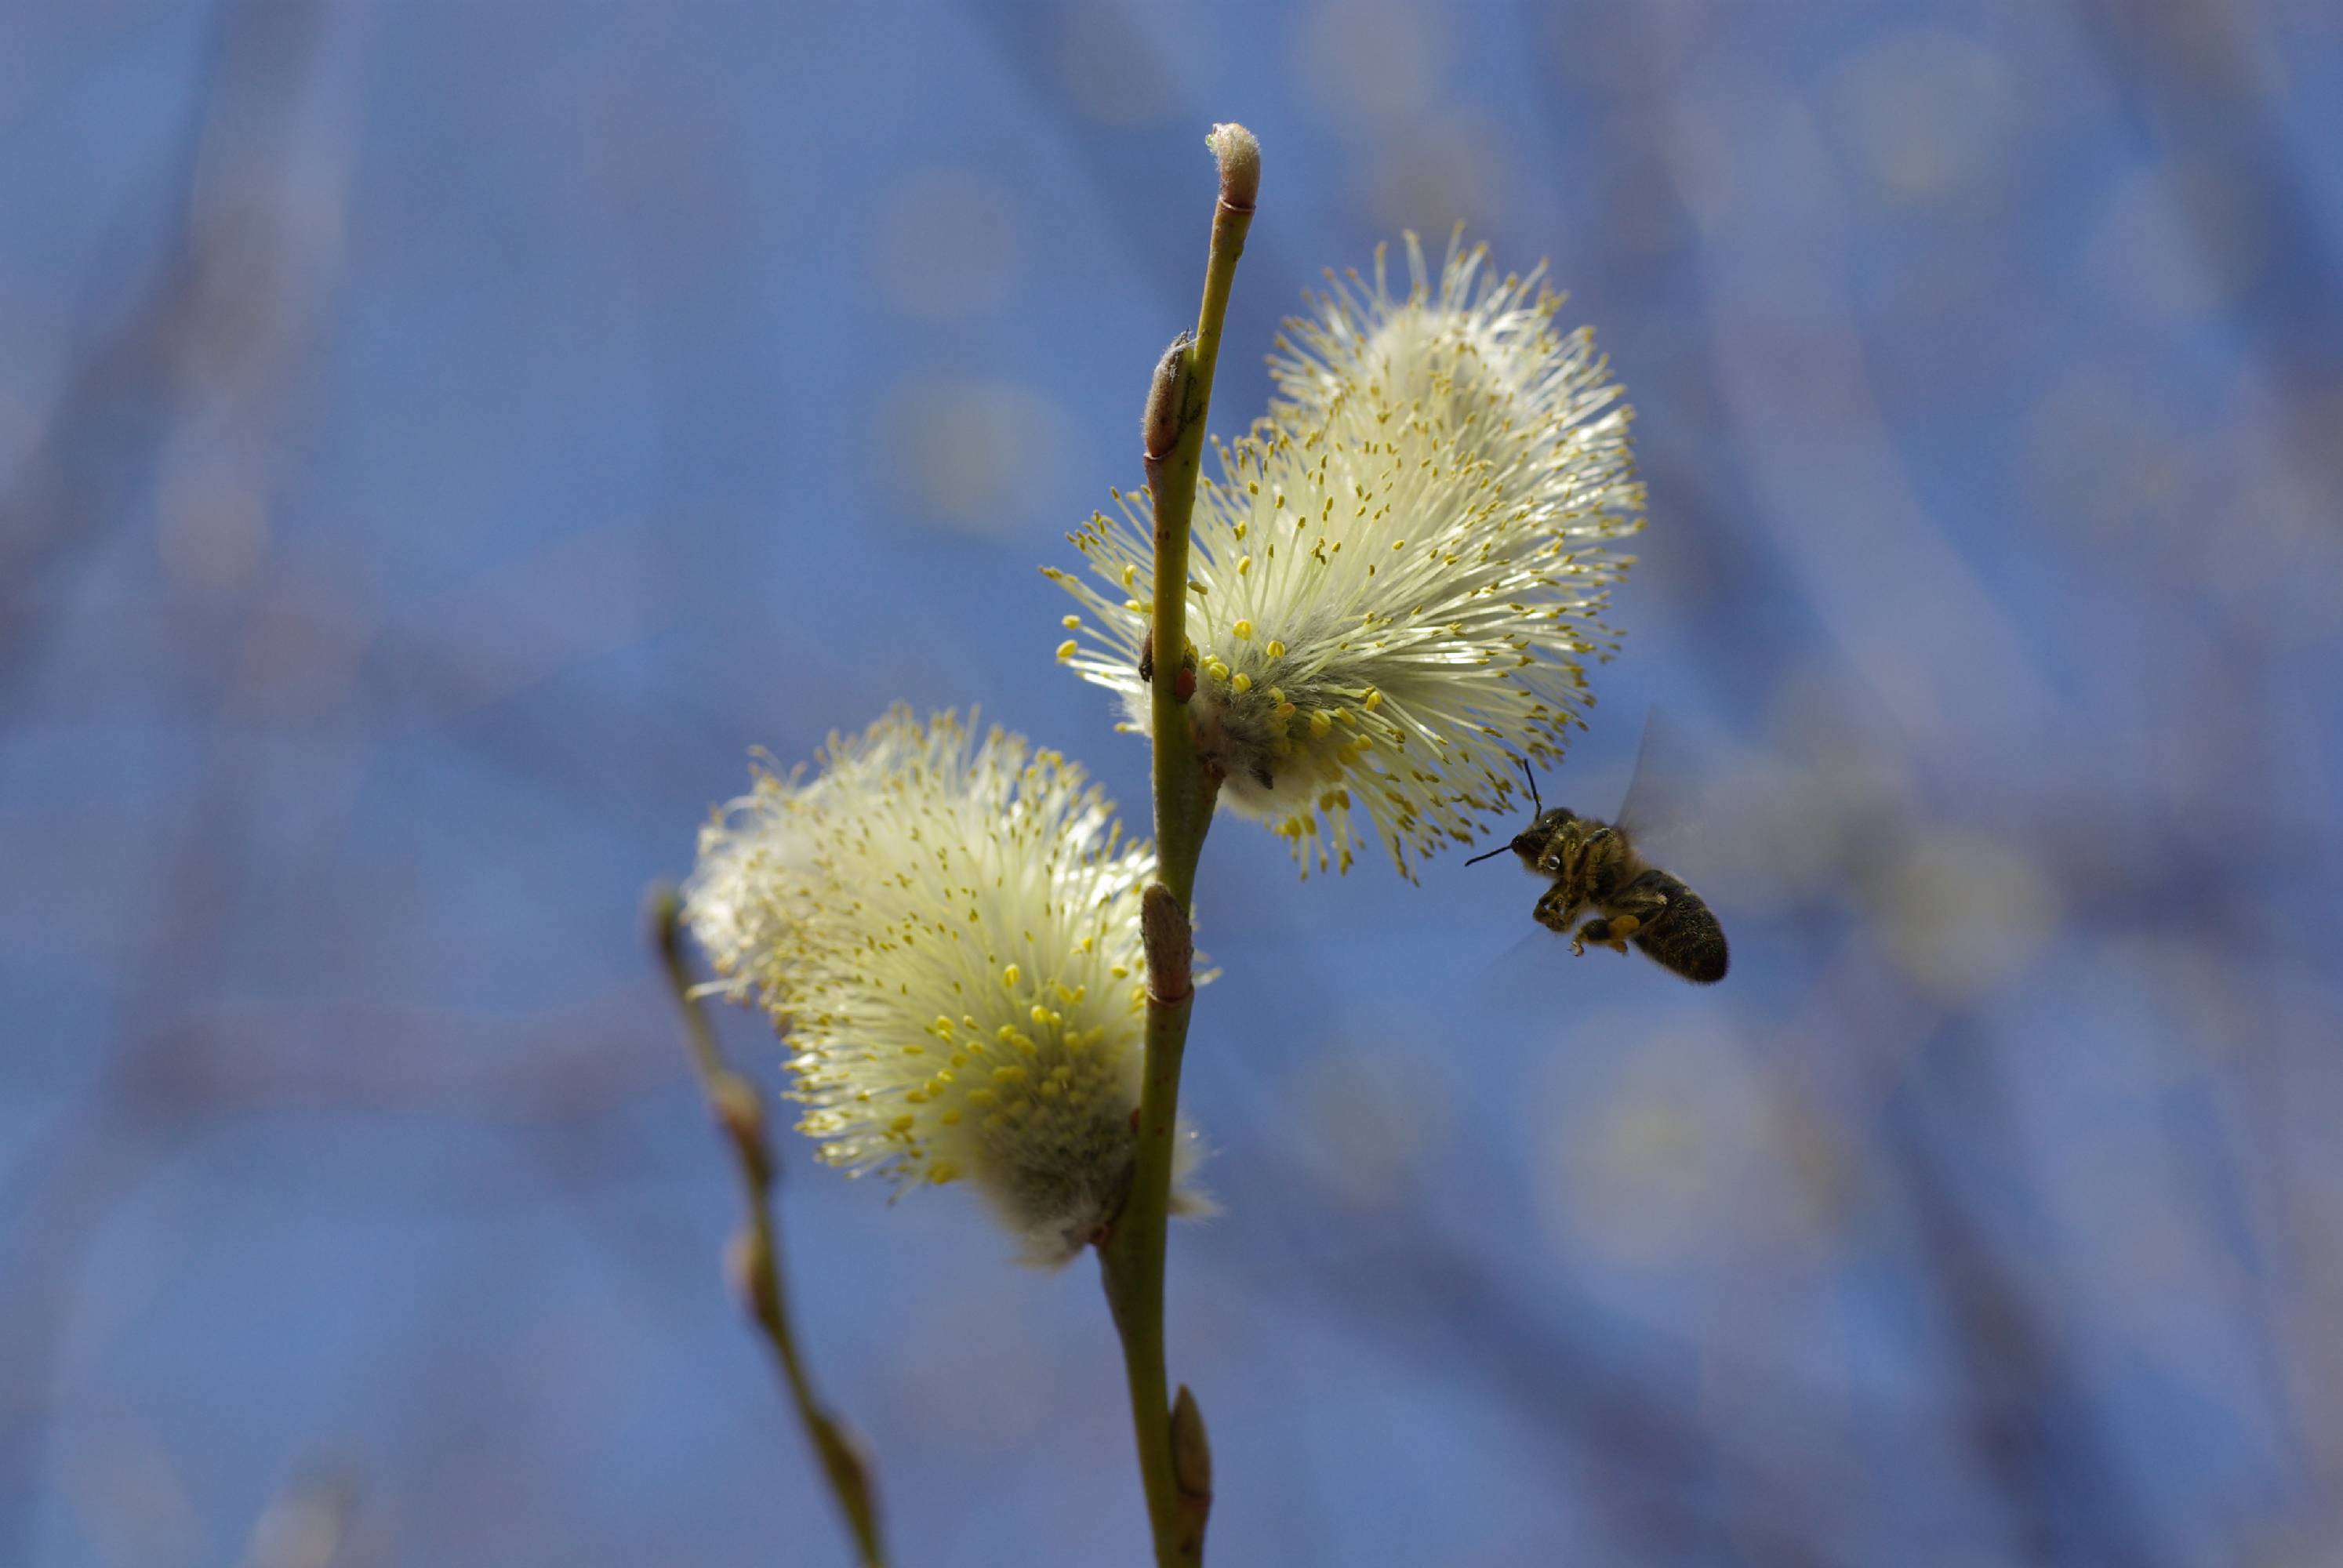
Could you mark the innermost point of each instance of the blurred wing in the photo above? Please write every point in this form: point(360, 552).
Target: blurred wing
point(1526, 969)
point(1667, 809)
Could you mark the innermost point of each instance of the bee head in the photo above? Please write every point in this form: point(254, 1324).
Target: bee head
point(1532, 841)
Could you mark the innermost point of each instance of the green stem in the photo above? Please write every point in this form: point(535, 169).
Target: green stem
point(754, 1256)
point(1173, 1461)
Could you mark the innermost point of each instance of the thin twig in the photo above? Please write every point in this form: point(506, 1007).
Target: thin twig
point(753, 1259)
point(1174, 1462)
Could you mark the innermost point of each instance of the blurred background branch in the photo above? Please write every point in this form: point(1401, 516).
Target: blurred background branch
point(753, 1259)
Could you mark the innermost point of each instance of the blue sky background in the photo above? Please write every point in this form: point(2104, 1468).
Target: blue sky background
point(438, 441)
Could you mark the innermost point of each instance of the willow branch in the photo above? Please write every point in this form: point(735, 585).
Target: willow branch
point(1175, 1461)
point(753, 1258)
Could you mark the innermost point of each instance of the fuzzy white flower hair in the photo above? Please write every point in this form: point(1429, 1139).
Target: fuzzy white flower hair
point(946, 931)
point(1398, 572)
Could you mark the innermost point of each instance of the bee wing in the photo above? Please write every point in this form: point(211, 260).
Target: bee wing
point(1666, 807)
point(1524, 969)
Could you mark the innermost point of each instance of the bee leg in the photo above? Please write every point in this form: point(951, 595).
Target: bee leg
point(1631, 910)
point(1555, 912)
point(1611, 933)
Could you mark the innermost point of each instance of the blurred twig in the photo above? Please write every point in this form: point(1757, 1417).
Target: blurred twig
point(754, 1259)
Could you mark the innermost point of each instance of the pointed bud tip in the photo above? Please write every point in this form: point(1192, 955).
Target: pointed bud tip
point(1239, 152)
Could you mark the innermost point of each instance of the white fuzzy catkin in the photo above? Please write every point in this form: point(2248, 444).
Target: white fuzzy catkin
point(1399, 574)
point(946, 931)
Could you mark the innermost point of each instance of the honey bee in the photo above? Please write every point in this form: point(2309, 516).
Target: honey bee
point(1594, 863)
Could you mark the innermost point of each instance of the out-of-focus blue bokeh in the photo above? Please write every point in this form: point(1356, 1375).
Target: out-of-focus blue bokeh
point(438, 441)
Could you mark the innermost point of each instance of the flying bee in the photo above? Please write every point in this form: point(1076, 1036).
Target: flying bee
point(1593, 863)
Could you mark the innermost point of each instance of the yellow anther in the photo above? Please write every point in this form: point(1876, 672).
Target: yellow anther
point(1375, 699)
point(1066, 650)
point(984, 1099)
point(1276, 648)
point(1071, 622)
point(1041, 1015)
point(1245, 565)
point(1243, 682)
point(943, 1170)
point(1129, 574)
point(900, 1125)
point(1009, 976)
point(1012, 1073)
point(952, 1118)
point(1319, 723)
point(1242, 630)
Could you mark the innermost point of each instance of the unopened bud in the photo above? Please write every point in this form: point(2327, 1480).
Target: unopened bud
point(740, 1112)
point(663, 913)
point(1160, 427)
point(1191, 1454)
point(1239, 151)
point(748, 1267)
point(1171, 946)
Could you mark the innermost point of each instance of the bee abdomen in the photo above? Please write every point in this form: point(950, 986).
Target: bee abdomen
point(1686, 937)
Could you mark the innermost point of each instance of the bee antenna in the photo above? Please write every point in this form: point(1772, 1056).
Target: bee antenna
point(1498, 850)
point(1535, 804)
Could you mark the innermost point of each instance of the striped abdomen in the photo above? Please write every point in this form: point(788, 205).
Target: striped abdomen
point(1684, 936)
